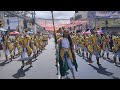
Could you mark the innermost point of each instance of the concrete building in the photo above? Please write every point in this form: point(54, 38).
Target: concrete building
point(14, 23)
point(106, 20)
point(1, 14)
point(80, 16)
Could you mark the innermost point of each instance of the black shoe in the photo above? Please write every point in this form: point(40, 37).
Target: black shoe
point(98, 64)
point(73, 77)
point(22, 66)
point(56, 73)
point(31, 66)
point(104, 58)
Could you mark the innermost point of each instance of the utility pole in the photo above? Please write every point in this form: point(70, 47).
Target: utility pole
point(34, 22)
point(18, 24)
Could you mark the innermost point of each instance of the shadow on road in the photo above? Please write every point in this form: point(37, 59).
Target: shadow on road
point(102, 70)
point(5, 62)
point(118, 66)
point(79, 55)
point(26, 59)
point(113, 77)
point(111, 61)
point(34, 60)
point(21, 73)
point(86, 60)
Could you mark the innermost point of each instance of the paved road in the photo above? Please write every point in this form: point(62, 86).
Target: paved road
point(44, 68)
point(107, 70)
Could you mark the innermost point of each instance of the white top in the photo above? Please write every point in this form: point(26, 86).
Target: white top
point(65, 43)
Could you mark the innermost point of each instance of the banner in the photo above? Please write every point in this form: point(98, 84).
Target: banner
point(103, 14)
point(111, 23)
point(107, 14)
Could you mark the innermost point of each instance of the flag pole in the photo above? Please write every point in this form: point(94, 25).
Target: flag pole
point(55, 38)
point(54, 28)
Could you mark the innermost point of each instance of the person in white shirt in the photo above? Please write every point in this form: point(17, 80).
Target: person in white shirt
point(67, 56)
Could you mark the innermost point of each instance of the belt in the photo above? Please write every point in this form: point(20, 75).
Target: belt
point(66, 49)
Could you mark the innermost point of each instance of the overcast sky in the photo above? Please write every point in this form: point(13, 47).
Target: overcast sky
point(57, 14)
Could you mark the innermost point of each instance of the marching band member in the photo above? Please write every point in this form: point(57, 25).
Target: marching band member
point(86, 46)
point(90, 50)
point(79, 45)
point(8, 47)
point(26, 49)
point(33, 47)
point(106, 46)
point(97, 53)
point(16, 45)
point(82, 46)
point(119, 48)
point(36, 44)
point(66, 54)
point(115, 49)
point(18, 42)
point(40, 43)
point(73, 37)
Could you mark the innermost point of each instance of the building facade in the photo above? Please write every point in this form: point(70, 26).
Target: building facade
point(106, 20)
point(79, 16)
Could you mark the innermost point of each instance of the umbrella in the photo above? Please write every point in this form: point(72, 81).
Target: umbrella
point(14, 33)
point(1, 29)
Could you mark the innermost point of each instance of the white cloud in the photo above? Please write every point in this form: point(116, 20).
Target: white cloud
point(57, 14)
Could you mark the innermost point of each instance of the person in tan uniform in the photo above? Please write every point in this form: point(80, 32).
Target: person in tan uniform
point(83, 45)
point(32, 46)
point(26, 49)
point(37, 44)
point(86, 45)
point(91, 51)
point(106, 46)
point(8, 47)
point(116, 49)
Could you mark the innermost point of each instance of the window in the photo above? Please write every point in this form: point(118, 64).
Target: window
point(78, 17)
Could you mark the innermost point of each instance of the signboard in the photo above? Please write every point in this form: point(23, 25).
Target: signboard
point(107, 14)
point(111, 23)
point(103, 14)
